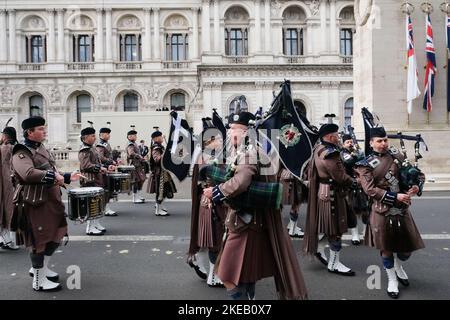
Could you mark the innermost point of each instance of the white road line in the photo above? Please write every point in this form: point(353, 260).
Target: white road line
point(172, 238)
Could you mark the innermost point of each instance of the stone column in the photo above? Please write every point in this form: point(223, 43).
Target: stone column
point(156, 44)
point(216, 101)
point(309, 38)
point(257, 31)
point(3, 44)
point(51, 36)
point(12, 35)
point(194, 42)
point(207, 98)
point(323, 26)
point(333, 30)
point(61, 54)
point(267, 31)
point(217, 37)
point(205, 27)
point(109, 38)
point(147, 56)
point(259, 85)
point(99, 37)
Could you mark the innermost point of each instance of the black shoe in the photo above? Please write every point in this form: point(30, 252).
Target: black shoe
point(7, 247)
point(58, 288)
point(404, 282)
point(321, 259)
point(198, 271)
point(350, 273)
point(393, 295)
point(217, 285)
point(356, 242)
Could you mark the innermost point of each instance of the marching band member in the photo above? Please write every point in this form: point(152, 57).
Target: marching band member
point(160, 182)
point(39, 217)
point(327, 215)
point(92, 168)
point(134, 158)
point(356, 199)
point(7, 143)
point(105, 151)
point(391, 228)
point(256, 245)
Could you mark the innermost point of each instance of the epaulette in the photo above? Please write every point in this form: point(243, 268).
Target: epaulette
point(102, 144)
point(370, 161)
point(19, 147)
point(329, 151)
point(85, 148)
point(346, 155)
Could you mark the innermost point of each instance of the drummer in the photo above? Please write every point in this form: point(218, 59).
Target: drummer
point(105, 151)
point(92, 171)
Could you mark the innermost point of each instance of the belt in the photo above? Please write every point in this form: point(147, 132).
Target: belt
point(327, 181)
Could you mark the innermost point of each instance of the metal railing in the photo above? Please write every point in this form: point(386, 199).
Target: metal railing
point(176, 64)
point(294, 59)
point(236, 59)
point(347, 59)
point(129, 65)
point(80, 66)
point(32, 66)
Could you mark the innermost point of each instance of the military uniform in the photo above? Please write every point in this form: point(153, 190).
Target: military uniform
point(90, 167)
point(327, 212)
point(356, 199)
point(39, 217)
point(391, 226)
point(138, 175)
point(160, 182)
point(256, 244)
point(7, 237)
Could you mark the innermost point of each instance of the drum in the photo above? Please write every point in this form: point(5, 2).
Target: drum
point(126, 169)
point(86, 203)
point(119, 183)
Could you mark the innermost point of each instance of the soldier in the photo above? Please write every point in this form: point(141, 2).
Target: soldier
point(160, 182)
point(134, 158)
point(327, 214)
point(7, 143)
point(92, 168)
point(293, 195)
point(104, 150)
point(39, 217)
point(207, 219)
point(391, 227)
point(256, 245)
point(356, 200)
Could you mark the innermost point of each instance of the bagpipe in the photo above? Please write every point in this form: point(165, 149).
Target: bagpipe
point(356, 153)
point(410, 174)
point(259, 195)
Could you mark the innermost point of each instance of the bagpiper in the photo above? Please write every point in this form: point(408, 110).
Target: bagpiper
point(134, 158)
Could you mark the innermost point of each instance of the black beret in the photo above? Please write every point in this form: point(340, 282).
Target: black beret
point(378, 132)
point(156, 134)
point(243, 118)
point(87, 131)
point(131, 132)
point(11, 132)
point(105, 130)
point(346, 137)
point(32, 122)
point(328, 128)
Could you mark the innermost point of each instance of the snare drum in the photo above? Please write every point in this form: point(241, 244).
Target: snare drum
point(86, 203)
point(119, 183)
point(126, 169)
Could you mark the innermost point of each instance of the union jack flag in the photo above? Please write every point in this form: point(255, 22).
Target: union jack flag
point(413, 75)
point(431, 69)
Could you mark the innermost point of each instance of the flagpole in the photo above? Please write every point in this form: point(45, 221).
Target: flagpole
point(445, 7)
point(407, 8)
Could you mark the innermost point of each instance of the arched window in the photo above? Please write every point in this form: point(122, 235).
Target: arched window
point(346, 25)
point(36, 105)
point(178, 101)
point(300, 107)
point(130, 102)
point(83, 105)
point(348, 112)
point(177, 47)
point(238, 103)
point(236, 31)
point(294, 24)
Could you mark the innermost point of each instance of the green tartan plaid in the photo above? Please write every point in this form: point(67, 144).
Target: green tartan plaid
point(259, 194)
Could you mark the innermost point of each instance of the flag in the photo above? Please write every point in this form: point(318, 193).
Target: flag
point(180, 147)
point(369, 122)
point(218, 123)
point(295, 135)
point(431, 70)
point(413, 75)
point(447, 26)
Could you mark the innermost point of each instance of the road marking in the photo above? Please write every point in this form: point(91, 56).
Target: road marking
point(172, 238)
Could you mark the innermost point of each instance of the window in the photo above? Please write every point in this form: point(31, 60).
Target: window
point(346, 42)
point(178, 101)
point(348, 112)
point(293, 42)
point(83, 48)
point(36, 106)
point(300, 107)
point(83, 105)
point(130, 47)
point(236, 42)
point(35, 47)
point(177, 47)
point(130, 102)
